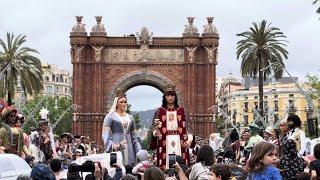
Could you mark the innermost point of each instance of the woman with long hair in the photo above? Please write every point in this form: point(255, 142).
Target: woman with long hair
point(118, 132)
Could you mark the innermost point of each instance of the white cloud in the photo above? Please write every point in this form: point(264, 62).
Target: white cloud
point(47, 24)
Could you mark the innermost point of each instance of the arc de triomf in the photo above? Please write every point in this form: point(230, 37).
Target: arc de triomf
point(103, 64)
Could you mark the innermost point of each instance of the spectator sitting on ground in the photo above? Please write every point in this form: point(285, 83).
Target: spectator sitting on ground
point(55, 166)
point(30, 160)
point(129, 177)
point(78, 154)
point(154, 173)
point(23, 177)
point(220, 171)
point(303, 176)
point(42, 172)
point(205, 159)
point(314, 166)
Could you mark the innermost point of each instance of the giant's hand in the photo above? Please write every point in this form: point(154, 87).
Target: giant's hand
point(187, 144)
point(156, 133)
point(157, 123)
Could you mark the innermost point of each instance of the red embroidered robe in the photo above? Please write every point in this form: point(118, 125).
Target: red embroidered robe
point(159, 144)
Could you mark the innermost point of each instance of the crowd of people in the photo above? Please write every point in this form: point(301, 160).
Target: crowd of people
point(247, 153)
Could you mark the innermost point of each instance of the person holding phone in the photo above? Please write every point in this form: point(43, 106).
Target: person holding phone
point(118, 132)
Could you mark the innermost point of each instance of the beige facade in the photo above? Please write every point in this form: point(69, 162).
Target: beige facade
point(56, 82)
point(241, 104)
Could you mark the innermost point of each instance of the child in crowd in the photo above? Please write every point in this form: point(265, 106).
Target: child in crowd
point(262, 162)
point(314, 165)
point(143, 159)
point(220, 171)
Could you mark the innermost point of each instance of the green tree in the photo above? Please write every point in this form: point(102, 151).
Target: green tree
point(220, 125)
point(59, 108)
point(145, 143)
point(314, 83)
point(259, 47)
point(136, 118)
point(18, 60)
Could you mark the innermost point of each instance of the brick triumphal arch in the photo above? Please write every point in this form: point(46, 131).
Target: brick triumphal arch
point(102, 64)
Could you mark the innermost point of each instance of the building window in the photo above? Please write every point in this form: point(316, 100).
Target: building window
point(66, 90)
point(291, 103)
point(48, 89)
point(291, 95)
point(276, 106)
point(256, 97)
point(265, 105)
point(234, 115)
point(57, 79)
point(56, 90)
point(53, 77)
point(276, 96)
point(276, 118)
point(245, 120)
point(246, 106)
point(47, 78)
point(65, 80)
point(255, 105)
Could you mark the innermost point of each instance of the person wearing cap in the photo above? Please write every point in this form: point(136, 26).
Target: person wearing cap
point(11, 137)
point(119, 130)
point(272, 135)
point(44, 138)
point(170, 130)
point(267, 133)
point(255, 137)
point(143, 162)
point(18, 125)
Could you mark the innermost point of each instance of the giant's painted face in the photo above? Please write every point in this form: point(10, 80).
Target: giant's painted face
point(170, 97)
point(122, 104)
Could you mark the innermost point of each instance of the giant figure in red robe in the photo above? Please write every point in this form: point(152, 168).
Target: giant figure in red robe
point(170, 132)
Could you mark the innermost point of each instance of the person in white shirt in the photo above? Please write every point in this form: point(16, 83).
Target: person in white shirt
point(215, 141)
point(295, 133)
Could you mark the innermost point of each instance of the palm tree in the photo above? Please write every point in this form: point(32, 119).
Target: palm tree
point(18, 60)
point(315, 2)
point(260, 47)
